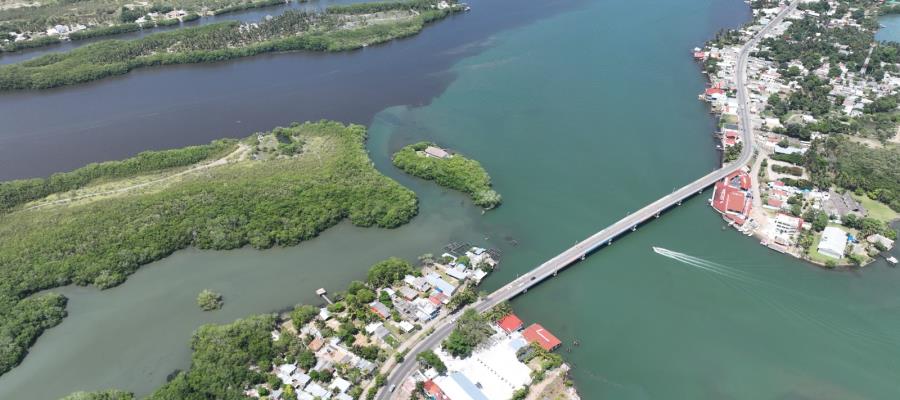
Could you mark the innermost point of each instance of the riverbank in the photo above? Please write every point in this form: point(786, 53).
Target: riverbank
point(102, 230)
point(28, 27)
point(785, 197)
point(339, 28)
point(346, 345)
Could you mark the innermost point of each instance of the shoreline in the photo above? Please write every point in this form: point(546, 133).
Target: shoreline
point(739, 198)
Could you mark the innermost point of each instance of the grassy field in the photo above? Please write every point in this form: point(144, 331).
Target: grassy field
point(816, 257)
point(266, 193)
point(876, 209)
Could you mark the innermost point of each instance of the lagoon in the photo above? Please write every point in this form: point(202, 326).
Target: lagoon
point(580, 111)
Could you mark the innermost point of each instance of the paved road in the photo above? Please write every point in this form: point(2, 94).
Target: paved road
point(585, 247)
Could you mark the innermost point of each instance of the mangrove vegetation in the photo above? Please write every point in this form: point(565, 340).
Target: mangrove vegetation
point(337, 29)
point(449, 170)
point(115, 217)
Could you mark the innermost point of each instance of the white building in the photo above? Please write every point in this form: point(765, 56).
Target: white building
point(833, 243)
point(493, 371)
point(787, 225)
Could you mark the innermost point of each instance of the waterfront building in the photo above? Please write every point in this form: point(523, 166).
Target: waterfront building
point(510, 323)
point(440, 284)
point(732, 197)
point(787, 225)
point(538, 334)
point(833, 242)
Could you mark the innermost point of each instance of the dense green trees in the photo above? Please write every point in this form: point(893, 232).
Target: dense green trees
point(462, 298)
point(104, 17)
point(100, 395)
point(455, 172)
point(471, 330)
point(209, 300)
point(385, 273)
point(430, 359)
point(841, 162)
point(22, 321)
point(277, 202)
point(291, 30)
point(220, 364)
point(303, 314)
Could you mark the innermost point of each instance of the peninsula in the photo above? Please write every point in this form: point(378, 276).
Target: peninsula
point(825, 179)
point(339, 28)
point(98, 224)
point(428, 161)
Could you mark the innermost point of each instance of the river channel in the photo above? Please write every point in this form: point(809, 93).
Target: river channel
point(582, 111)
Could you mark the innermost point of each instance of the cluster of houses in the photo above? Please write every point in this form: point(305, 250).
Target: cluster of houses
point(415, 299)
point(733, 199)
point(419, 299)
point(158, 16)
point(835, 242)
point(493, 371)
point(733, 196)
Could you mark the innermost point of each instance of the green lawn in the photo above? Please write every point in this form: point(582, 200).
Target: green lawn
point(815, 256)
point(877, 209)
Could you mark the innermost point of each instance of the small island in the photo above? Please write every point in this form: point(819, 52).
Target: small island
point(428, 161)
point(339, 28)
point(209, 300)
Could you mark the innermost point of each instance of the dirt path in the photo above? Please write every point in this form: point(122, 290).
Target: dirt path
point(240, 153)
point(757, 213)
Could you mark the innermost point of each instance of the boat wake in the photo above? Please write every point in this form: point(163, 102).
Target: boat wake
point(751, 286)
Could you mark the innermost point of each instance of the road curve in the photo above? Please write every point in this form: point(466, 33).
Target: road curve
point(605, 236)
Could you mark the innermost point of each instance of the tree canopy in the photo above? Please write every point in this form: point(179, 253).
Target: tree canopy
point(455, 172)
point(385, 273)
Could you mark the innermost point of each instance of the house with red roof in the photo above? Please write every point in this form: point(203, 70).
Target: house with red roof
point(774, 203)
point(433, 392)
point(732, 197)
point(538, 334)
point(380, 309)
point(510, 323)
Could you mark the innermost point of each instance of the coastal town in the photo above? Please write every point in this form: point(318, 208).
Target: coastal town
point(797, 103)
point(344, 349)
point(805, 101)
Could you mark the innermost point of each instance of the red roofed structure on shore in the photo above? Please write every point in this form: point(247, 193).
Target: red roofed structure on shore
point(714, 90)
point(732, 198)
point(510, 323)
point(433, 391)
point(537, 334)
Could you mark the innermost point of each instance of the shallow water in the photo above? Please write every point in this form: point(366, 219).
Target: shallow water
point(580, 115)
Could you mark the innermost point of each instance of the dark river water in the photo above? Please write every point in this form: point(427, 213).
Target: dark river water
point(582, 111)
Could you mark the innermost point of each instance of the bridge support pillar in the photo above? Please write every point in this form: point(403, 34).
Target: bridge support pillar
point(583, 256)
point(609, 242)
point(634, 228)
point(679, 202)
point(555, 272)
point(657, 215)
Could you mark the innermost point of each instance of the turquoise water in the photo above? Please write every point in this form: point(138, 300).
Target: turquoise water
point(890, 30)
point(580, 117)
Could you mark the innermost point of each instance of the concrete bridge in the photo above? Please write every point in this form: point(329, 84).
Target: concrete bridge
point(606, 236)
